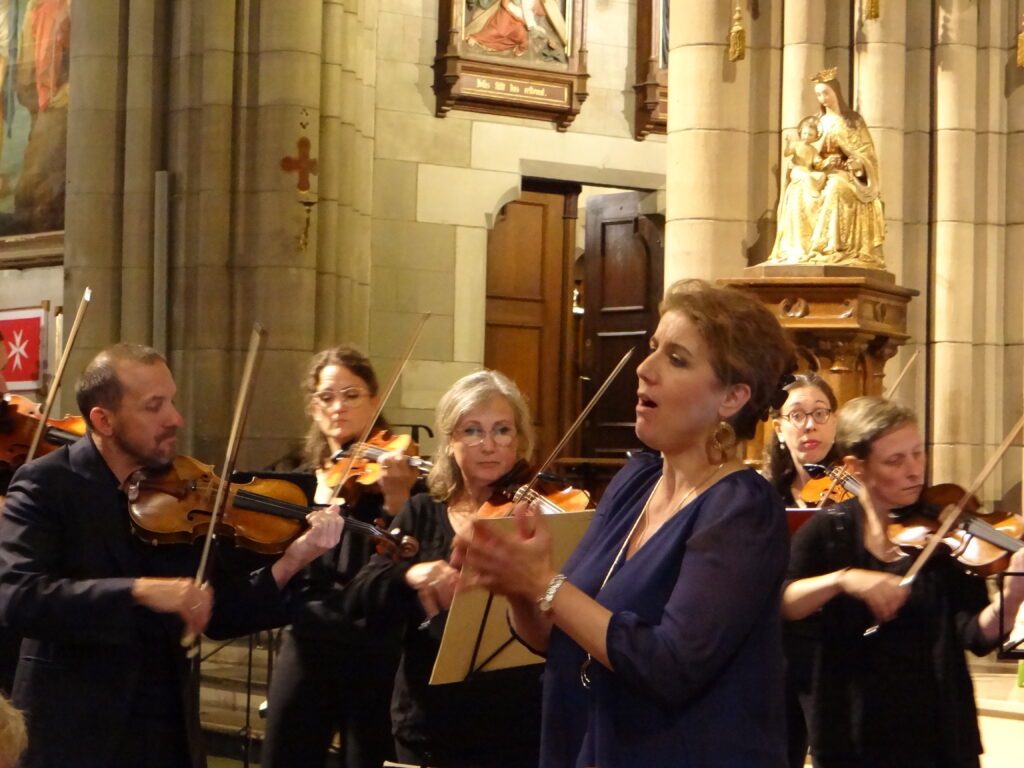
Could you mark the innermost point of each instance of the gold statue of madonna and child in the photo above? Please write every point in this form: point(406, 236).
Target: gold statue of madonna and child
point(830, 211)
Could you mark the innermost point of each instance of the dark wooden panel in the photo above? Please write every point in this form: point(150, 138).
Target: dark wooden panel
point(513, 271)
point(622, 288)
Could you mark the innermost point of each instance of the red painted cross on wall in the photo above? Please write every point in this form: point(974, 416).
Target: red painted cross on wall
point(304, 164)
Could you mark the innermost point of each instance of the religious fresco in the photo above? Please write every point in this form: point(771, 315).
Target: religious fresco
point(531, 30)
point(35, 40)
point(511, 57)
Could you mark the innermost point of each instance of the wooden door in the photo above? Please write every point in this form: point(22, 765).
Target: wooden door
point(529, 302)
point(623, 268)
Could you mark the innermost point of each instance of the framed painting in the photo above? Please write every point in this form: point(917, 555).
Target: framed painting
point(35, 39)
point(525, 58)
point(651, 87)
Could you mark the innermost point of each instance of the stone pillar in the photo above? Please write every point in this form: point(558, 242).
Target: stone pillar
point(915, 201)
point(145, 71)
point(709, 168)
point(1012, 176)
point(274, 245)
point(346, 198)
point(958, 405)
point(880, 97)
point(200, 154)
point(803, 55)
point(93, 241)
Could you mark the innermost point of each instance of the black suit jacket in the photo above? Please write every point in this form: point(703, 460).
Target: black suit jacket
point(68, 557)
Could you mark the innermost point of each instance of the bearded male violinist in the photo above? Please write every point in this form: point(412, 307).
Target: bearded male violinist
point(102, 677)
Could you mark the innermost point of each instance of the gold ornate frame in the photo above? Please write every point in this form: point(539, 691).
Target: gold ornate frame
point(469, 77)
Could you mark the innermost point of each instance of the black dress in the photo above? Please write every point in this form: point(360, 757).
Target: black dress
point(334, 671)
point(903, 695)
point(492, 720)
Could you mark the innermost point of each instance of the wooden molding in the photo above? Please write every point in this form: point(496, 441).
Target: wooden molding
point(651, 86)
point(44, 249)
point(469, 77)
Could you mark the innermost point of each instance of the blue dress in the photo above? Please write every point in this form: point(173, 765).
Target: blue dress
point(694, 638)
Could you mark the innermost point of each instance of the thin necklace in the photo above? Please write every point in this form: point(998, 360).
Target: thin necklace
point(585, 666)
point(646, 515)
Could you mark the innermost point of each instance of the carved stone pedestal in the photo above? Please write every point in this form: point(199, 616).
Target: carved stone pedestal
point(845, 321)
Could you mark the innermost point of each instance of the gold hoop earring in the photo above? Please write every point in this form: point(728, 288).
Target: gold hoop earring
point(723, 440)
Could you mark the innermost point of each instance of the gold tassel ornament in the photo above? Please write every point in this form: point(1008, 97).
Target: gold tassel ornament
point(873, 11)
point(737, 37)
point(1020, 44)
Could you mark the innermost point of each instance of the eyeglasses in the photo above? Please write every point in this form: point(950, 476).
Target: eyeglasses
point(502, 435)
point(799, 418)
point(349, 397)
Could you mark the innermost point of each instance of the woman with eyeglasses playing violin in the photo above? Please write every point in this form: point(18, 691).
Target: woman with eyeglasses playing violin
point(805, 432)
point(334, 671)
point(484, 428)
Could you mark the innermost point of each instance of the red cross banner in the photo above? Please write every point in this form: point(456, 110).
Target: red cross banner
point(23, 345)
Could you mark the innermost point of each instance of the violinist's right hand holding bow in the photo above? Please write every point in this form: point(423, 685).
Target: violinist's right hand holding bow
point(435, 583)
point(880, 591)
point(193, 604)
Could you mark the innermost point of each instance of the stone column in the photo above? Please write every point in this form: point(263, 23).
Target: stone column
point(347, 147)
point(145, 72)
point(1012, 176)
point(958, 406)
point(915, 201)
point(803, 55)
point(709, 167)
point(274, 245)
point(200, 156)
point(880, 97)
point(93, 255)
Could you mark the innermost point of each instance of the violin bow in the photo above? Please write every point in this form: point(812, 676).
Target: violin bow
point(58, 375)
point(245, 391)
point(951, 513)
point(899, 379)
point(384, 395)
point(579, 419)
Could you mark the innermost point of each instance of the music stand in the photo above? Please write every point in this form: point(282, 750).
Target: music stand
point(477, 637)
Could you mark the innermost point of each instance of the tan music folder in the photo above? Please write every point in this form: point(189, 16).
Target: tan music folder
point(476, 636)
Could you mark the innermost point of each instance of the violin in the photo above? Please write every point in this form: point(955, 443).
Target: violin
point(981, 542)
point(356, 467)
point(828, 485)
point(366, 458)
point(263, 515)
point(552, 497)
point(18, 422)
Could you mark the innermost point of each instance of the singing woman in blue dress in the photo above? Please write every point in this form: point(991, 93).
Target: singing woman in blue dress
point(662, 631)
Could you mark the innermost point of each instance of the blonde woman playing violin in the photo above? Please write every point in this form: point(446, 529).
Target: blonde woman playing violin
point(483, 428)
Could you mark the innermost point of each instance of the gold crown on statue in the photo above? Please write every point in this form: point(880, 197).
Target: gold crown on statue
point(825, 75)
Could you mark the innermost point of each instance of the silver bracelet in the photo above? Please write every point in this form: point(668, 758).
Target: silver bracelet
point(544, 603)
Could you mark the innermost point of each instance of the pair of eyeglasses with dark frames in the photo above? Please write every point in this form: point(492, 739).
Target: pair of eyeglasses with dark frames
point(799, 418)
